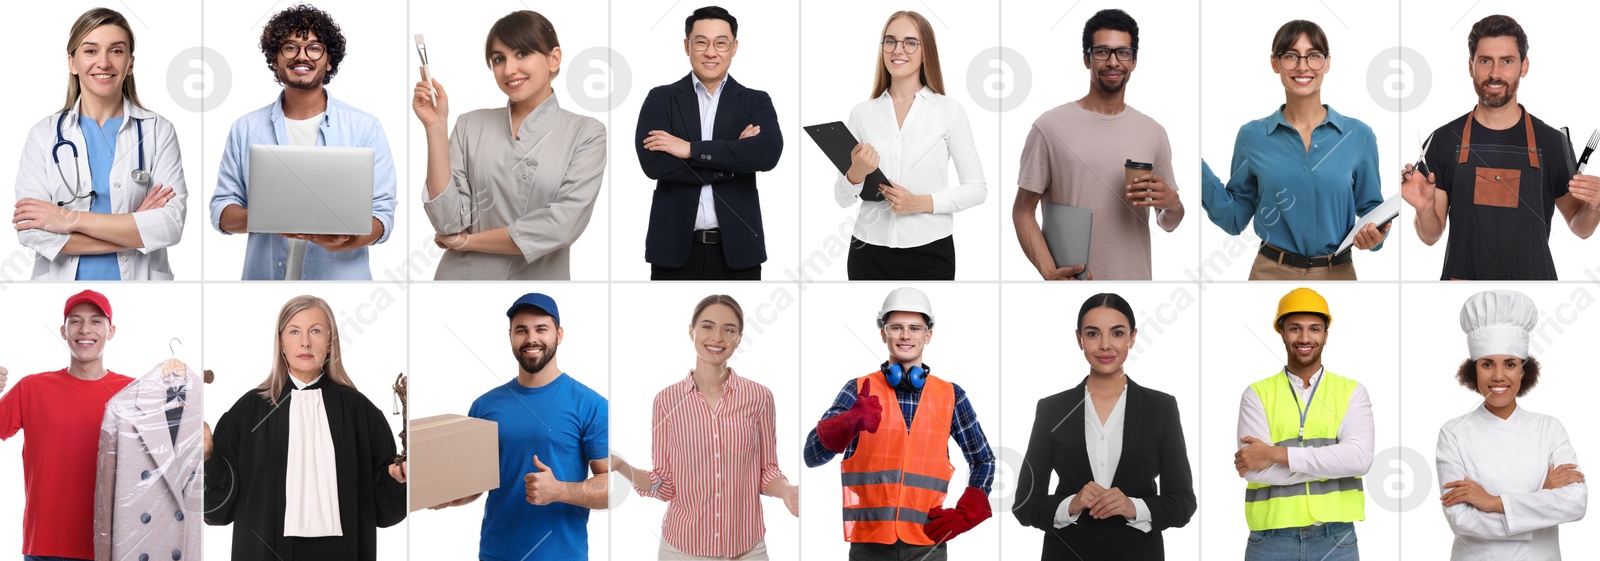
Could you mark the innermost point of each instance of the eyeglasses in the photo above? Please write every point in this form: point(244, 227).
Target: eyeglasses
point(910, 45)
point(721, 45)
point(1314, 61)
point(314, 51)
point(898, 328)
point(1124, 54)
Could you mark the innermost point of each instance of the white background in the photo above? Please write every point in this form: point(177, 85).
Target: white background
point(1244, 349)
point(839, 65)
point(839, 321)
point(1561, 341)
point(1238, 86)
point(649, 35)
point(650, 331)
point(1165, 86)
point(1557, 90)
point(39, 47)
point(464, 351)
point(455, 56)
point(1163, 357)
point(376, 76)
point(244, 317)
point(147, 318)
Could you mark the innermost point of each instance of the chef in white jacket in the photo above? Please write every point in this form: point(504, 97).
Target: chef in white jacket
point(1509, 476)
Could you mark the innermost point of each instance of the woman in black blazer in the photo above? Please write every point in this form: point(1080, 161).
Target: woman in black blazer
point(1122, 515)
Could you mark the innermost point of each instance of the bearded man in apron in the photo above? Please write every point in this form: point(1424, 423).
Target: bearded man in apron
point(1498, 173)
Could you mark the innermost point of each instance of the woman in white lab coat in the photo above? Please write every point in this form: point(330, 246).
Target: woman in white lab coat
point(100, 192)
point(1509, 476)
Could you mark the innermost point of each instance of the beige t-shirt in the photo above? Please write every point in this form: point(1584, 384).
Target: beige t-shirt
point(1074, 157)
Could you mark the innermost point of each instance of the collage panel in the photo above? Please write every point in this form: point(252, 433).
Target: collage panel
point(496, 399)
point(879, 343)
point(1302, 387)
point(1102, 395)
point(1075, 129)
point(704, 436)
point(303, 416)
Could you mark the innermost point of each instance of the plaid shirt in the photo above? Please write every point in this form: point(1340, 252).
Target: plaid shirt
point(963, 427)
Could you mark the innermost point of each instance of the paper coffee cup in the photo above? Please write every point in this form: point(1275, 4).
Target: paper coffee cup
point(1132, 170)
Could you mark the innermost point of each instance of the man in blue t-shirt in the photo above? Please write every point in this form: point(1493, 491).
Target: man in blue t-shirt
point(552, 438)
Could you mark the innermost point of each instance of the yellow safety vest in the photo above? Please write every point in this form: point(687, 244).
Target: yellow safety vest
point(1270, 507)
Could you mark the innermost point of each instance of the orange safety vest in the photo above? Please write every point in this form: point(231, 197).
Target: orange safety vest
point(896, 475)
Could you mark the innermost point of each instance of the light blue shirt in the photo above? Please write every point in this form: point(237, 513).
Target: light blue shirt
point(705, 217)
point(1303, 202)
point(265, 255)
point(102, 151)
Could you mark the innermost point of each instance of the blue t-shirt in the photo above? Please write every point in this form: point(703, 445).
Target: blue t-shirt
point(564, 423)
point(101, 145)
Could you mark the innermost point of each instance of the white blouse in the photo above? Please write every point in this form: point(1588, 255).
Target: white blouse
point(1103, 444)
point(1509, 458)
point(917, 156)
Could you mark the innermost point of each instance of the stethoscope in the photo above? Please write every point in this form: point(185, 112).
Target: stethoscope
point(140, 174)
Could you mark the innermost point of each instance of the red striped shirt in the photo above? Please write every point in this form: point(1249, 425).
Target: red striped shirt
point(711, 465)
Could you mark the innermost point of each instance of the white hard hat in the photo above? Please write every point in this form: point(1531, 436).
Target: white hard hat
point(906, 299)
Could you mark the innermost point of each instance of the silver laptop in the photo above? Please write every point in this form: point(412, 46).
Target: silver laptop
point(310, 190)
point(1066, 233)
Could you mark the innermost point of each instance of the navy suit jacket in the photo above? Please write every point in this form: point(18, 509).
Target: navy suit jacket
point(726, 162)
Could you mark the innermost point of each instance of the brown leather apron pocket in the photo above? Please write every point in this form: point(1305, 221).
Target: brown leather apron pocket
point(1497, 187)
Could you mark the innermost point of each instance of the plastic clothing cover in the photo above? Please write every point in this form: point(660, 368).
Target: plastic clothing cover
point(149, 486)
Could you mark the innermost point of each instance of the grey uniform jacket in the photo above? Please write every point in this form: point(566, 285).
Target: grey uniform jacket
point(149, 488)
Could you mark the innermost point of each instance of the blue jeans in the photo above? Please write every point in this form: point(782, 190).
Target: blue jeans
point(1334, 541)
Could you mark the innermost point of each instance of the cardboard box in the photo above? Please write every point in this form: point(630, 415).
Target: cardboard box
point(452, 456)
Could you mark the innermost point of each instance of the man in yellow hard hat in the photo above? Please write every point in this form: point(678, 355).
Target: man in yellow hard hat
point(1305, 440)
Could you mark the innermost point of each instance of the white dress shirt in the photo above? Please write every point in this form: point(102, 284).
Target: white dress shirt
point(1510, 459)
point(1352, 456)
point(705, 217)
point(916, 156)
point(1104, 445)
point(311, 485)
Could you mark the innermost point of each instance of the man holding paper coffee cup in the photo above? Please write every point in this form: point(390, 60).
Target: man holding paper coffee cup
point(1071, 157)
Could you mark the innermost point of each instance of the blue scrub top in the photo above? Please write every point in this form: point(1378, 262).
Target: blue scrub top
point(101, 145)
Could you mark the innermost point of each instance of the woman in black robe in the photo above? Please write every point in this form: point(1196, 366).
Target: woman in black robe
point(340, 468)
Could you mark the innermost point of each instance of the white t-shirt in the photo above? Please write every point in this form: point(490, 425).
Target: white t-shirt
point(304, 133)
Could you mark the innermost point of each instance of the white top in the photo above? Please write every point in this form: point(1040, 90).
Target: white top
point(1104, 444)
point(1351, 457)
point(916, 156)
point(705, 217)
point(1509, 458)
point(311, 485)
point(303, 132)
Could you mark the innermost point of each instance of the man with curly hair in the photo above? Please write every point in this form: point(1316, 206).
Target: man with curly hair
point(303, 47)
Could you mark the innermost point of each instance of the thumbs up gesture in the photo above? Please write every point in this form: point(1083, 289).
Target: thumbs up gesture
point(868, 408)
point(541, 485)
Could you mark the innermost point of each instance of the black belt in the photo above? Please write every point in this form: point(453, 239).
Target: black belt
point(1293, 260)
point(708, 237)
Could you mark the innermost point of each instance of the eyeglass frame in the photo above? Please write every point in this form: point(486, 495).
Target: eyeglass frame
point(298, 48)
point(891, 44)
point(913, 328)
point(710, 44)
point(1133, 54)
point(1278, 58)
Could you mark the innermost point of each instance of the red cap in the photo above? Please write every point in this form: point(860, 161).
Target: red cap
point(91, 297)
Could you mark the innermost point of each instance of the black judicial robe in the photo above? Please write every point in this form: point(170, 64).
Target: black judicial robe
point(245, 477)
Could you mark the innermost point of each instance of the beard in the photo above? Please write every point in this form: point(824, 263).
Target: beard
point(1110, 87)
point(532, 365)
point(1502, 99)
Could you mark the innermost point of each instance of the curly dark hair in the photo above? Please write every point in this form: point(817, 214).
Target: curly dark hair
point(1114, 20)
point(1467, 374)
point(297, 21)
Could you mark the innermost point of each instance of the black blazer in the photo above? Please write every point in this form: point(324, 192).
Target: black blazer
point(1152, 445)
point(727, 163)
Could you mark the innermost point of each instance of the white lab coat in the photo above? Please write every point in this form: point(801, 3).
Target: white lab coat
point(1509, 458)
point(37, 178)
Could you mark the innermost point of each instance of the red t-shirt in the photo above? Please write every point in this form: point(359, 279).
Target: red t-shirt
point(62, 415)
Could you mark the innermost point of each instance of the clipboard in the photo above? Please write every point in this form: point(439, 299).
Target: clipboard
point(1379, 216)
point(1067, 232)
point(836, 142)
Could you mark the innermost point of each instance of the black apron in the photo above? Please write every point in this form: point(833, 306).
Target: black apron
point(1497, 212)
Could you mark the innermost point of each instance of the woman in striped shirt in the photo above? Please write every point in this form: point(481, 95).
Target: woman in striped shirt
point(712, 485)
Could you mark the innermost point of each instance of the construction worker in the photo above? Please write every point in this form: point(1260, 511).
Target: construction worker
point(1305, 440)
point(896, 468)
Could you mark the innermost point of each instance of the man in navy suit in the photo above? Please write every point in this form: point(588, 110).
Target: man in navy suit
point(702, 139)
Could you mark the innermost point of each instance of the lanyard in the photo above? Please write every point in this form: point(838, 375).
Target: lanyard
point(1296, 393)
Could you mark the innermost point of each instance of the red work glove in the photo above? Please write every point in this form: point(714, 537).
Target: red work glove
point(946, 523)
point(836, 432)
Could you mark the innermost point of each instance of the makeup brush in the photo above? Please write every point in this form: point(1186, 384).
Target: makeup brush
point(422, 52)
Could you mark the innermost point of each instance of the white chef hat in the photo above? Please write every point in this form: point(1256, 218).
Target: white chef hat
point(1497, 322)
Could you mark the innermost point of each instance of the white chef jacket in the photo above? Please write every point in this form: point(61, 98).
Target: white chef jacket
point(160, 228)
point(1509, 458)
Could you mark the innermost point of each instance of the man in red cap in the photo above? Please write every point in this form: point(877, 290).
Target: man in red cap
point(61, 411)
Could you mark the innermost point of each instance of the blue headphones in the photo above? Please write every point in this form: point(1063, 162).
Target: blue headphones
point(894, 373)
point(140, 174)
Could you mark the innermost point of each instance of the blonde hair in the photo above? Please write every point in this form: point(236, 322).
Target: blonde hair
point(88, 22)
point(333, 368)
point(931, 76)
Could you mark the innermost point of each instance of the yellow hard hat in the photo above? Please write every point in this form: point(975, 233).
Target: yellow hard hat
point(1301, 301)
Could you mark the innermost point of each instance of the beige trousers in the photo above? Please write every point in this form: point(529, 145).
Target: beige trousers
point(1267, 269)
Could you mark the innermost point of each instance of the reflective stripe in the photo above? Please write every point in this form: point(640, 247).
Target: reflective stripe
point(885, 514)
point(1323, 487)
point(927, 482)
point(1309, 442)
point(870, 477)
